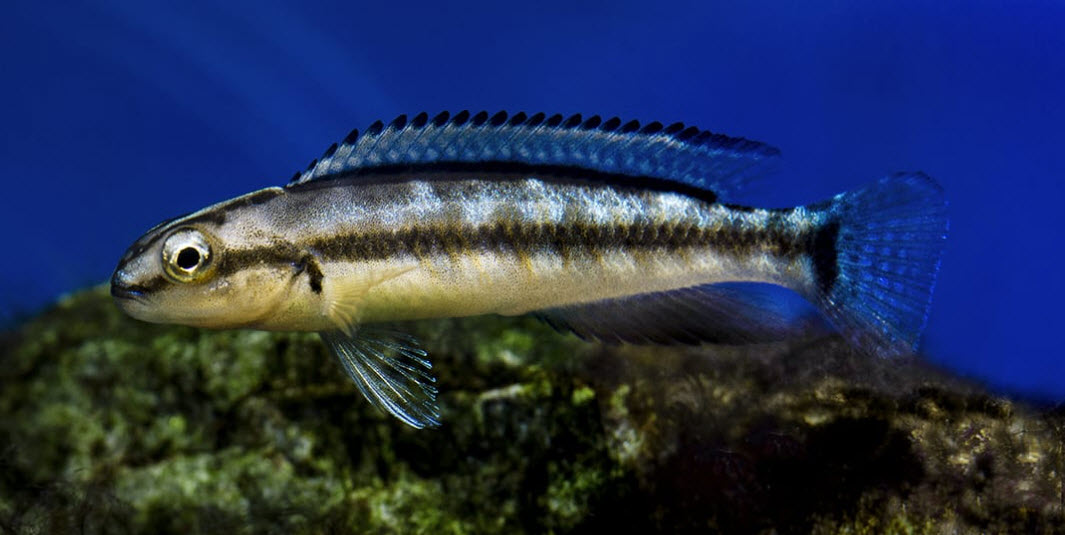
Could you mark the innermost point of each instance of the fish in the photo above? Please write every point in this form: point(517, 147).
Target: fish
point(617, 231)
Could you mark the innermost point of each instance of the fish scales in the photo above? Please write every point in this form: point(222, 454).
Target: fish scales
point(613, 230)
point(584, 241)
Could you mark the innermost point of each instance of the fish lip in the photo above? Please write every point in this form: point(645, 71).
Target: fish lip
point(134, 293)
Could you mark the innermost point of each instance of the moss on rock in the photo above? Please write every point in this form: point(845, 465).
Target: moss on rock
point(111, 425)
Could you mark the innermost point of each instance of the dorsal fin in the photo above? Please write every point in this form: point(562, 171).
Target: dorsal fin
point(686, 155)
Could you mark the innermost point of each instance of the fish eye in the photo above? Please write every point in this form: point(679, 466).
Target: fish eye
point(188, 258)
point(187, 255)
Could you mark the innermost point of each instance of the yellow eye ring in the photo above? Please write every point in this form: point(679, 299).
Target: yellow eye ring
point(188, 255)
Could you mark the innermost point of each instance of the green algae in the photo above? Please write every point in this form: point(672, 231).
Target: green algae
point(111, 425)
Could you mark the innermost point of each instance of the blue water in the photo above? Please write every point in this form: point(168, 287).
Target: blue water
point(117, 115)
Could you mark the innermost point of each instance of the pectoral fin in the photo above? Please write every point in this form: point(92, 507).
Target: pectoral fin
point(344, 297)
point(391, 370)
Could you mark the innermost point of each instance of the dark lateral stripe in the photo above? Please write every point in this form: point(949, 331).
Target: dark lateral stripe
point(502, 170)
point(436, 171)
point(563, 239)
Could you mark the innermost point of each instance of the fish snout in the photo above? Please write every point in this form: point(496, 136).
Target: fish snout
point(124, 287)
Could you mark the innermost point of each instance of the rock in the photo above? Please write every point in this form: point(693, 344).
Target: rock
point(112, 425)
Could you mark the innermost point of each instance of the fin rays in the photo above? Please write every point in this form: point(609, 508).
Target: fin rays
point(391, 371)
point(727, 313)
point(890, 241)
point(687, 156)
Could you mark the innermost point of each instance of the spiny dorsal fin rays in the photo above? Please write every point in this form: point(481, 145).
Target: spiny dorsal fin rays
point(686, 155)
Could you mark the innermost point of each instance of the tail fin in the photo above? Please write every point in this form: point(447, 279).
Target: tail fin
point(876, 258)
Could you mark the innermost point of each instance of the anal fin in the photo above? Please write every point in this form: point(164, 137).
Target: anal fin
point(727, 313)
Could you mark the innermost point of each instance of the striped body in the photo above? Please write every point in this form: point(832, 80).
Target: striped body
point(612, 230)
point(506, 245)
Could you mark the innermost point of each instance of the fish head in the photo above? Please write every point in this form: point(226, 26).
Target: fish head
point(183, 271)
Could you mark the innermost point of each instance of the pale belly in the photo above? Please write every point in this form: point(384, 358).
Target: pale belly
point(486, 283)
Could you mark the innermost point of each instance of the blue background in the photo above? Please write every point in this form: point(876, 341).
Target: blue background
point(116, 115)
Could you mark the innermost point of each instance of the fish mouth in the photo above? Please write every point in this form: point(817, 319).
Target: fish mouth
point(132, 292)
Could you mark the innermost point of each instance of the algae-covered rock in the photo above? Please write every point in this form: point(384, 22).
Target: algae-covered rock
point(112, 425)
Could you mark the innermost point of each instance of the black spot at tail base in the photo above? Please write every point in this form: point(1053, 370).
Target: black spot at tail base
point(826, 256)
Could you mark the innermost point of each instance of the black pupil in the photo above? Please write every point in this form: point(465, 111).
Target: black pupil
point(188, 258)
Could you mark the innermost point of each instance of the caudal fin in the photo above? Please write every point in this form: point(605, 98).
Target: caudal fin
point(876, 258)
